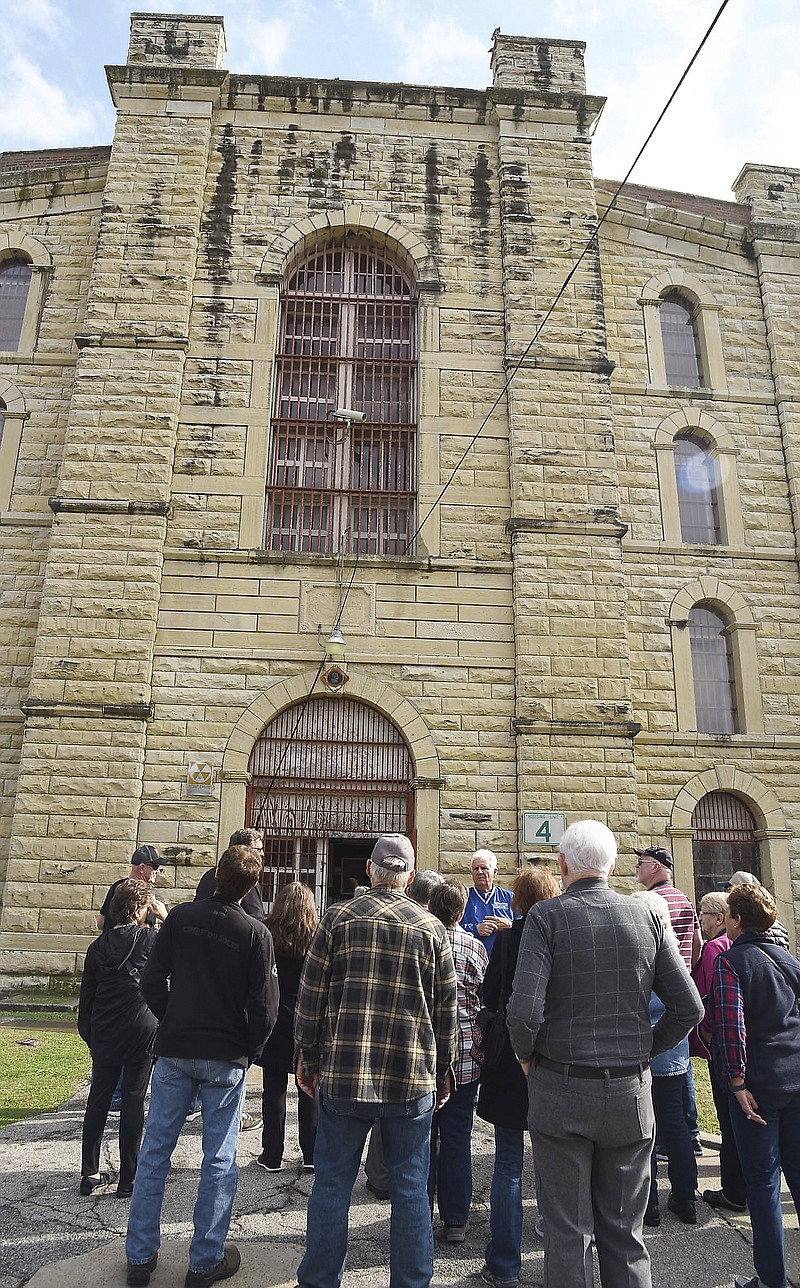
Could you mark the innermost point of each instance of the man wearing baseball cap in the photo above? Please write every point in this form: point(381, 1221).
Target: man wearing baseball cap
point(777, 932)
point(145, 863)
point(376, 1028)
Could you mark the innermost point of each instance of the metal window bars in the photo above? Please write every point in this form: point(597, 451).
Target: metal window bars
point(347, 341)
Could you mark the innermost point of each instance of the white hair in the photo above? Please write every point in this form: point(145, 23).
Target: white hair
point(486, 856)
point(715, 901)
point(388, 876)
point(588, 846)
point(661, 908)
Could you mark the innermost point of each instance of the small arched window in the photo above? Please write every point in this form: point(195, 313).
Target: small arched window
point(724, 841)
point(712, 670)
point(342, 470)
point(697, 476)
point(15, 283)
point(682, 361)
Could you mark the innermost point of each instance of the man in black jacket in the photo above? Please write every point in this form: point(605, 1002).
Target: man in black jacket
point(212, 983)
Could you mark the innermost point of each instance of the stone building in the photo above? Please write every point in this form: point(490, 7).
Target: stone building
point(282, 368)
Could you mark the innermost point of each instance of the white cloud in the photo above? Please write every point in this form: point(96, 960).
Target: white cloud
point(37, 114)
point(41, 17)
point(259, 46)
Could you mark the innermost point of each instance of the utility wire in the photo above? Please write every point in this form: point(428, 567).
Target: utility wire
point(590, 243)
point(515, 369)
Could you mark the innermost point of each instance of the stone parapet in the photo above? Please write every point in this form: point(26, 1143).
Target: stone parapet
point(177, 40)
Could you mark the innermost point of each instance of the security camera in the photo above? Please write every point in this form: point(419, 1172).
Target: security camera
point(345, 413)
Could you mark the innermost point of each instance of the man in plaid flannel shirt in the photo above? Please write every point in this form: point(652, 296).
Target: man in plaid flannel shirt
point(376, 1028)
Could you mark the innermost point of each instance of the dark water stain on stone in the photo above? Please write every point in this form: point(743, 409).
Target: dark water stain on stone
point(254, 167)
point(433, 199)
point(150, 222)
point(218, 220)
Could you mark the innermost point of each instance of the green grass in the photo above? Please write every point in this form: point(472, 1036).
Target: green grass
point(36, 1080)
point(706, 1112)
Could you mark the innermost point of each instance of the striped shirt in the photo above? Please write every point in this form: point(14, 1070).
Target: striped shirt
point(685, 922)
point(470, 959)
point(376, 1014)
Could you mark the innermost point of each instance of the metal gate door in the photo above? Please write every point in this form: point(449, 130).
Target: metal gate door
point(336, 769)
point(723, 841)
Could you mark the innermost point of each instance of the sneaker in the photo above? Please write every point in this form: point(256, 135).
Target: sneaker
point(124, 1189)
point(661, 1155)
point(91, 1183)
point(741, 1281)
point(488, 1278)
point(139, 1272)
point(455, 1233)
point(250, 1121)
point(308, 1167)
point(716, 1199)
point(383, 1195)
point(684, 1209)
point(652, 1215)
point(538, 1228)
point(262, 1162)
point(194, 1113)
point(697, 1146)
point(224, 1269)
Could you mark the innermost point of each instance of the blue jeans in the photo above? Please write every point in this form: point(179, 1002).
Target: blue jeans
point(221, 1087)
point(763, 1152)
point(406, 1134)
point(504, 1249)
point(450, 1175)
point(669, 1103)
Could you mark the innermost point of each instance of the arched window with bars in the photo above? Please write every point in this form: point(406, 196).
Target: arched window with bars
point(712, 671)
point(15, 285)
point(724, 841)
point(342, 469)
point(697, 477)
point(682, 354)
point(327, 777)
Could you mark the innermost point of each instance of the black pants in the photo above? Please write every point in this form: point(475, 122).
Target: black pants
point(273, 1110)
point(135, 1078)
point(730, 1169)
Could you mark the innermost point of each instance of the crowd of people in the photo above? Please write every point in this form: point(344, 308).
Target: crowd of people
point(562, 1009)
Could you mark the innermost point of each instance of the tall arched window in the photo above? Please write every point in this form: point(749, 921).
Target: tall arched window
point(712, 670)
point(682, 361)
point(341, 483)
point(724, 841)
point(697, 478)
point(15, 283)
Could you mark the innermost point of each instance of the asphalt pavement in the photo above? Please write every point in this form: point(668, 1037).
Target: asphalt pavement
point(52, 1237)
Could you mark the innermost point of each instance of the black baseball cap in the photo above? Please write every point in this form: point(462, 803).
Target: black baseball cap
point(146, 854)
point(658, 853)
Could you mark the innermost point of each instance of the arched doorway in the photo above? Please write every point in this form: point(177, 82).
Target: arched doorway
point(724, 841)
point(327, 776)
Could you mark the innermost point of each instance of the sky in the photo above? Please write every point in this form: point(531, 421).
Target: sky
point(741, 102)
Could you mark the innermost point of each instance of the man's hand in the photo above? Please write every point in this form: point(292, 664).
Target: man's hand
point(307, 1082)
point(526, 1066)
point(748, 1105)
point(443, 1096)
point(500, 923)
point(158, 909)
point(490, 924)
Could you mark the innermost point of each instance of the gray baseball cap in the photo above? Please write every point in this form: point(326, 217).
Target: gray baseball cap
point(394, 852)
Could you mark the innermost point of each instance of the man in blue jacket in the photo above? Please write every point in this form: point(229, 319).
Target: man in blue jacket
point(488, 909)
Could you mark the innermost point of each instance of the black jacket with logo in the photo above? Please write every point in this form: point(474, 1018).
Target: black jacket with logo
point(212, 983)
point(113, 1017)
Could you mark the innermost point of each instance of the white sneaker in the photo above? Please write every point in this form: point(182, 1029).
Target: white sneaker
point(250, 1121)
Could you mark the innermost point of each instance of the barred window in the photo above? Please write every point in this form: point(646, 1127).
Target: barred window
point(712, 667)
point(697, 477)
point(15, 282)
point(347, 343)
point(724, 841)
point(682, 359)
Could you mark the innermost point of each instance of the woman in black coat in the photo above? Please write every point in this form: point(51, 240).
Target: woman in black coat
point(119, 1030)
point(292, 923)
point(503, 1093)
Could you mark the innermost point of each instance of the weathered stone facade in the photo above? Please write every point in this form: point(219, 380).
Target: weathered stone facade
point(532, 650)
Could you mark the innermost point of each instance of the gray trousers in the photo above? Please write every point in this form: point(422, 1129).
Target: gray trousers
point(592, 1141)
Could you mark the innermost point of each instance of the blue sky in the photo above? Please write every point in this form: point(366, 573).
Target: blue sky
point(741, 104)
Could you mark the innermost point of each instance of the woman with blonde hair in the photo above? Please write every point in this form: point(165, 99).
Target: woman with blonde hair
point(292, 923)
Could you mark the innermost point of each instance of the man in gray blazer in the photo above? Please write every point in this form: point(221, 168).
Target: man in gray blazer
point(580, 1025)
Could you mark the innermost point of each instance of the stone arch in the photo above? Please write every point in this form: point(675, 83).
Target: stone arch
point(675, 279)
point(712, 591)
point(11, 398)
point(16, 242)
point(288, 243)
point(760, 799)
point(284, 693)
point(688, 420)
